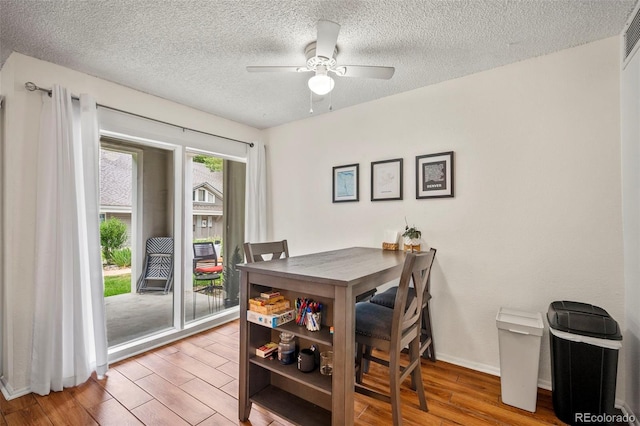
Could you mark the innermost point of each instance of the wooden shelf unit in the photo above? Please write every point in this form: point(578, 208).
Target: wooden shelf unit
point(301, 398)
point(334, 279)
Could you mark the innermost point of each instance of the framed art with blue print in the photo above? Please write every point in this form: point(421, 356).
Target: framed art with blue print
point(345, 183)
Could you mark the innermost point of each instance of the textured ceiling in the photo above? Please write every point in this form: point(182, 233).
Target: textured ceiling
point(195, 52)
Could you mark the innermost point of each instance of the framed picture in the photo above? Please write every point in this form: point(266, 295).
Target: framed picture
point(386, 180)
point(434, 175)
point(345, 183)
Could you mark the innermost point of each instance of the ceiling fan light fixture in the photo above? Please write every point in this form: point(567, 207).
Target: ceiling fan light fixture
point(321, 84)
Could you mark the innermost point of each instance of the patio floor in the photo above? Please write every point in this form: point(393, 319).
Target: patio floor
point(131, 316)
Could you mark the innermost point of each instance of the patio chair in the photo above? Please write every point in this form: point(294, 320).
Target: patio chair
point(206, 272)
point(157, 272)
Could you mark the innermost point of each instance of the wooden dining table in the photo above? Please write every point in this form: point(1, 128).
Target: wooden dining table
point(335, 277)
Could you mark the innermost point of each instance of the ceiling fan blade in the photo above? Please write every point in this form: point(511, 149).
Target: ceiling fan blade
point(327, 38)
point(366, 72)
point(277, 69)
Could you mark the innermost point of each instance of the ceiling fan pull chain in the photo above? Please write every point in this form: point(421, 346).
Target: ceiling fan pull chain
point(310, 102)
point(331, 101)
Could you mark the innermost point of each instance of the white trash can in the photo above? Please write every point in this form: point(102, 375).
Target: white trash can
point(519, 337)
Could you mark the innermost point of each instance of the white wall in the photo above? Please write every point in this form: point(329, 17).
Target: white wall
point(19, 185)
point(630, 113)
point(537, 210)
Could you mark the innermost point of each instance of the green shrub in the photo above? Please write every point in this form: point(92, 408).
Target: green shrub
point(113, 234)
point(122, 257)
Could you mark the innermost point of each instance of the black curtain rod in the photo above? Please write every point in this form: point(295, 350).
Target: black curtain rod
point(31, 87)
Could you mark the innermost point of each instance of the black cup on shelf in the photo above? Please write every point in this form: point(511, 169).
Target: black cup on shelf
point(306, 360)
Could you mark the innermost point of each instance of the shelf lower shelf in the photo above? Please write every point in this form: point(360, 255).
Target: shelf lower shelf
point(291, 407)
point(313, 379)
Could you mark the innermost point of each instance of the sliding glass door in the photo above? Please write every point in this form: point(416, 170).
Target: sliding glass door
point(136, 212)
point(214, 232)
point(185, 188)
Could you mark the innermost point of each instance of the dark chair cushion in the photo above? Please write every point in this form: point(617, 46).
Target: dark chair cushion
point(388, 297)
point(373, 320)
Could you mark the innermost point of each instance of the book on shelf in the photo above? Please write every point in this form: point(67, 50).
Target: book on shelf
point(271, 320)
point(266, 350)
point(271, 308)
point(270, 294)
point(262, 301)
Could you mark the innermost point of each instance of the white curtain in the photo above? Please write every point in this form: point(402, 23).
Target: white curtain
point(256, 195)
point(69, 327)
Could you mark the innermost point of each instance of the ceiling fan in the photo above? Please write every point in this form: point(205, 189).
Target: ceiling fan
point(321, 60)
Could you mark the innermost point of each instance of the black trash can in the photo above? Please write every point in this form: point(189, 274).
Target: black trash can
point(585, 341)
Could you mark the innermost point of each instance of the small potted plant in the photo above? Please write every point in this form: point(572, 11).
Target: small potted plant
point(411, 238)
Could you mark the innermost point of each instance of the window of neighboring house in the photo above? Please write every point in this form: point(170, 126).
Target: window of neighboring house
point(103, 217)
point(210, 221)
point(203, 196)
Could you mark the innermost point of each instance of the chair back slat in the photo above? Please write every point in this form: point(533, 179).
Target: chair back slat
point(417, 268)
point(260, 252)
point(160, 245)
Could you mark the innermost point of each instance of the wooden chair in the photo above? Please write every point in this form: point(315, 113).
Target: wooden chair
point(387, 299)
point(390, 330)
point(255, 252)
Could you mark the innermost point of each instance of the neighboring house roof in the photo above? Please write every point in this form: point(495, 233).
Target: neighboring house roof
point(115, 181)
point(115, 178)
point(202, 174)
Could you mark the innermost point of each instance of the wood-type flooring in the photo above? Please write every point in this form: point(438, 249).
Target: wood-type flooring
point(195, 382)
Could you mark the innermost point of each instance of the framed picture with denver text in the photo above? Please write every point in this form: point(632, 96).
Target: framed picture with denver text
point(434, 175)
point(345, 183)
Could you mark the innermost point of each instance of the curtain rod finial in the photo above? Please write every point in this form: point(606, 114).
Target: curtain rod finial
point(251, 144)
point(30, 86)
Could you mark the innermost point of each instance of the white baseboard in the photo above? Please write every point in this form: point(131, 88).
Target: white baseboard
point(484, 368)
point(9, 393)
point(544, 384)
point(626, 410)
